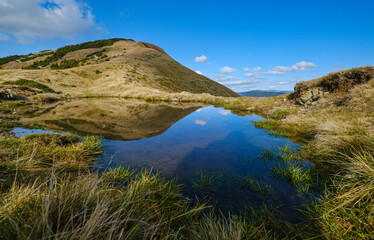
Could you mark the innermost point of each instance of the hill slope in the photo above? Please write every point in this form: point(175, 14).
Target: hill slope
point(114, 67)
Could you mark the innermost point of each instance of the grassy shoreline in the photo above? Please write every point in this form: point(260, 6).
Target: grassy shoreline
point(47, 190)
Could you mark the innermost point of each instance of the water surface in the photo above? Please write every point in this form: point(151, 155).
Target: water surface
point(187, 142)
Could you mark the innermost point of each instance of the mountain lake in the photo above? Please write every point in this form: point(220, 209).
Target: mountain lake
point(218, 157)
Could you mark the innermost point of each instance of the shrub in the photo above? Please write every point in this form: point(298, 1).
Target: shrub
point(280, 113)
point(97, 54)
point(32, 84)
point(5, 60)
point(70, 63)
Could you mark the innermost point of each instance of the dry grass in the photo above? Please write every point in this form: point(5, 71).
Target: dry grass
point(47, 192)
point(33, 156)
point(341, 145)
point(89, 208)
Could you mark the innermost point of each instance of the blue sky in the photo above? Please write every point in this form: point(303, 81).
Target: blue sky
point(247, 44)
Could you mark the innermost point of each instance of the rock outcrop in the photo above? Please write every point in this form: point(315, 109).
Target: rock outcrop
point(310, 92)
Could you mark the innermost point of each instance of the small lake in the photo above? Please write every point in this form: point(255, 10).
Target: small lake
point(209, 150)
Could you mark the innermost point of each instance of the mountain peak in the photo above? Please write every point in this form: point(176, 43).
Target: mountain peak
point(110, 67)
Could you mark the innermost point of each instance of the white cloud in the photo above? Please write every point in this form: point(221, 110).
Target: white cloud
point(222, 78)
point(255, 75)
point(303, 66)
point(338, 64)
point(227, 70)
point(202, 59)
point(242, 86)
point(241, 83)
point(282, 83)
point(275, 72)
point(251, 74)
point(201, 121)
point(28, 20)
point(199, 72)
point(297, 67)
point(256, 69)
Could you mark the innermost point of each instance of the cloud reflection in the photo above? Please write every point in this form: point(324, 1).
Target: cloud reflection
point(201, 121)
point(224, 112)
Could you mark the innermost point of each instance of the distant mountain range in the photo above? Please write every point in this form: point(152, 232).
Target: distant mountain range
point(261, 93)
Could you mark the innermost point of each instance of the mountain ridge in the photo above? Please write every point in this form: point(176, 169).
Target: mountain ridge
point(112, 67)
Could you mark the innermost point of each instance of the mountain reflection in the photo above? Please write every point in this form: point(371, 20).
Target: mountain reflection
point(115, 119)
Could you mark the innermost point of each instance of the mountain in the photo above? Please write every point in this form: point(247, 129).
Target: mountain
point(261, 93)
point(112, 67)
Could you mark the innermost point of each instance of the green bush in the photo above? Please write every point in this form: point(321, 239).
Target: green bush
point(32, 84)
point(66, 64)
point(23, 58)
point(5, 60)
point(98, 54)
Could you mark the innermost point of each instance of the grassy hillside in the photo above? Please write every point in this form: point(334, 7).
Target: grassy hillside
point(113, 67)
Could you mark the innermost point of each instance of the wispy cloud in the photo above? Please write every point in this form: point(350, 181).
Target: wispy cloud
point(283, 83)
point(125, 13)
point(242, 86)
point(223, 78)
point(202, 59)
point(256, 69)
point(298, 67)
point(241, 83)
point(227, 70)
point(255, 75)
point(338, 64)
point(27, 20)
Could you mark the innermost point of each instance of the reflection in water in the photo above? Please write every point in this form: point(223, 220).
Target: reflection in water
point(201, 121)
point(209, 150)
point(224, 111)
point(117, 119)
